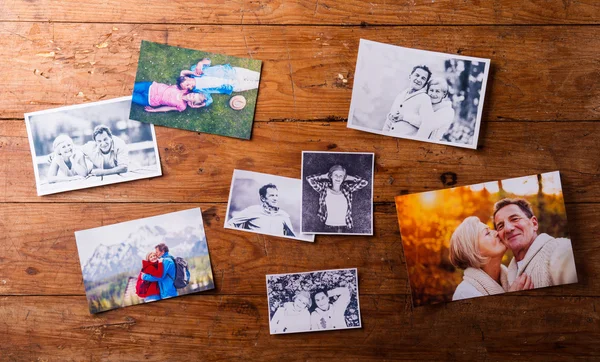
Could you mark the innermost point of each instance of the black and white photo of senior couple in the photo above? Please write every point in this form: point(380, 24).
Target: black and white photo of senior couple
point(265, 204)
point(421, 110)
point(313, 301)
point(105, 154)
point(90, 145)
point(416, 94)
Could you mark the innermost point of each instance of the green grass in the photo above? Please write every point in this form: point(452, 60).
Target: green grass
point(162, 63)
point(108, 294)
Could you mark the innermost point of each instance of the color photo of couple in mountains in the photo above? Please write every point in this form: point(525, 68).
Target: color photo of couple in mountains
point(144, 260)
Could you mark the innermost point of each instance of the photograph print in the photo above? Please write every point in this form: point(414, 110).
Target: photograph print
point(195, 90)
point(337, 193)
point(486, 239)
point(90, 145)
point(417, 94)
point(313, 301)
point(265, 204)
point(144, 260)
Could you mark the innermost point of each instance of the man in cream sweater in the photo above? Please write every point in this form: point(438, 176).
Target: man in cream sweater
point(547, 260)
point(412, 106)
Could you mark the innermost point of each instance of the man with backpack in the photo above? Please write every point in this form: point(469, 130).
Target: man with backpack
point(175, 273)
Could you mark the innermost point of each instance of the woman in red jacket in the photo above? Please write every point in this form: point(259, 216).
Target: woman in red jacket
point(150, 291)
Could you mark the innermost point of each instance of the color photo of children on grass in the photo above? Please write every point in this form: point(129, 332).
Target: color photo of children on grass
point(195, 90)
point(144, 260)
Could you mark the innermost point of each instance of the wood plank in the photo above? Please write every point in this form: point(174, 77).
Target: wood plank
point(343, 12)
point(42, 258)
point(538, 73)
point(40, 255)
point(198, 167)
point(541, 114)
point(224, 328)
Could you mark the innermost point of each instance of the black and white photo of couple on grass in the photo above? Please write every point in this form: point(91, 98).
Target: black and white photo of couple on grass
point(144, 260)
point(90, 145)
point(313, 301)
point(416, 94)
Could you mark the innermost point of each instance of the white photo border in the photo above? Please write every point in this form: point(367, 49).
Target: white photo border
point(311, 272)
point(233, 178)
point(72, 187)
point(455, 56)
point(78, 241)
point(372, 189)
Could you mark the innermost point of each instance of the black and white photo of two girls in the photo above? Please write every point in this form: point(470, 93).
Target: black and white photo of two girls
point(313, 301)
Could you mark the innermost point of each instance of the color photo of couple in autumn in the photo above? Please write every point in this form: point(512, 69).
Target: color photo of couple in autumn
point(486, 239)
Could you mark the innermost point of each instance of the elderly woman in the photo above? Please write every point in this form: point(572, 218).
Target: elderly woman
point(293, 316)
point(150, 291)
point(476, 248)
point(335, 190)
point(67, 163)
point(443, 113)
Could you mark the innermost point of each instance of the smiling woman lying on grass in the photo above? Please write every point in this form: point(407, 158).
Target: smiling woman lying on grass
point(160, 97)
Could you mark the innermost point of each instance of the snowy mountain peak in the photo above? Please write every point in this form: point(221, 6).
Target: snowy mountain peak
point(127, 256)
point(107, 261)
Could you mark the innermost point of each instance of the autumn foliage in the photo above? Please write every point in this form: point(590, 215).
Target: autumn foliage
point(427, 221)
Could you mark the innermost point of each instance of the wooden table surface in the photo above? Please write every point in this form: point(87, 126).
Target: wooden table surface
point(541, 113)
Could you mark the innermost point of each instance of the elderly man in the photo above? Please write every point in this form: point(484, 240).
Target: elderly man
point(108, 154)
point(547, 260)
point(412, 106)
point(267, 217)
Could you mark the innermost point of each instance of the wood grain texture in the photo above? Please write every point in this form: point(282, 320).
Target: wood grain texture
point(41, 255)
point(542, 113)
point(225, 328)
point(240, 260)
point(342, 12)
point(198, 167)
point(538, 73)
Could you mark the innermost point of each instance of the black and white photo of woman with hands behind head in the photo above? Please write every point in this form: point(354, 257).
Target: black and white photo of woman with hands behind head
point(330, 198)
